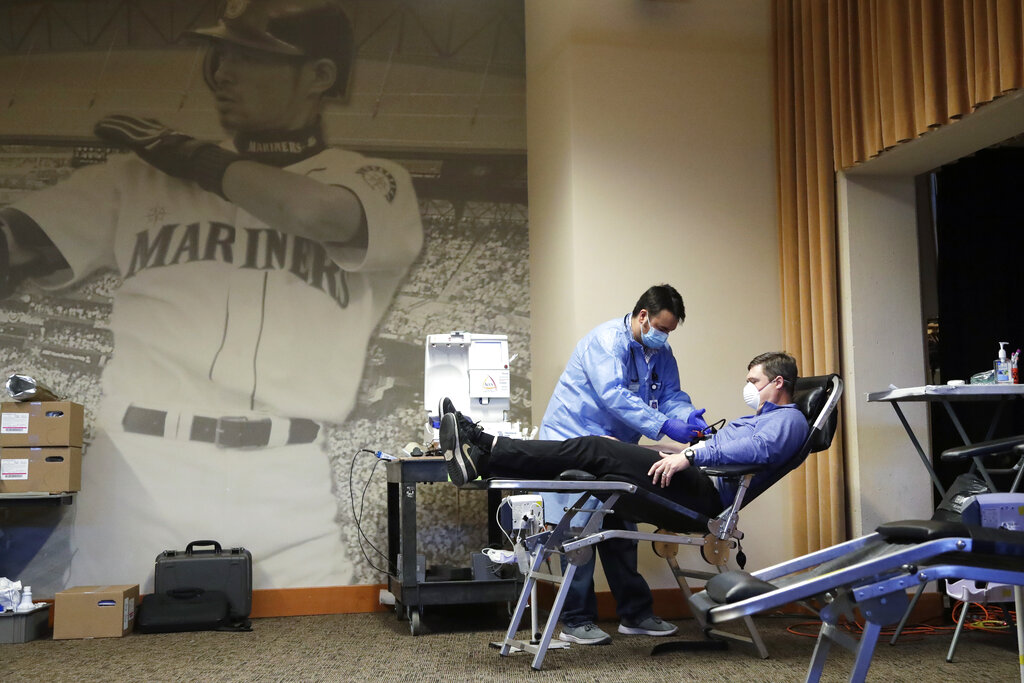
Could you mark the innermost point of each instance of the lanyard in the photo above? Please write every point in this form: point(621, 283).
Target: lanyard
point(635, 378)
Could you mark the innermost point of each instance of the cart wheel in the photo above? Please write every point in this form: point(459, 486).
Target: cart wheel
point(414, 623)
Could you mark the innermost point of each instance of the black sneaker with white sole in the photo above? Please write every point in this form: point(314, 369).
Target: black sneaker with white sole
point(461, 467)
point(445, 406)
point(469, 431)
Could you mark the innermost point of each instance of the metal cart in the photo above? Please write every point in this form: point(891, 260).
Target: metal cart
point(411, 594)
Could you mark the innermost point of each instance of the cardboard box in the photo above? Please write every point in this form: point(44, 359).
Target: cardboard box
point(21, 627)
point(95, 611)
point(42, 423)
point(36, 470)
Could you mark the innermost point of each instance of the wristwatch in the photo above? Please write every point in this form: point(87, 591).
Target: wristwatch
point(689, 453)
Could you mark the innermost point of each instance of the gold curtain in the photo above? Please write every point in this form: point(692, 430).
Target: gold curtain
point(901, 67)
point(852, 79)
point(805, 185)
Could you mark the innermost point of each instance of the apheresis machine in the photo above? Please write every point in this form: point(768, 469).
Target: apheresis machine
point(473, 371)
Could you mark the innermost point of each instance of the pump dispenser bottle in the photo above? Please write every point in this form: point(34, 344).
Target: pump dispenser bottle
point(26, 600)
point(1001, 366)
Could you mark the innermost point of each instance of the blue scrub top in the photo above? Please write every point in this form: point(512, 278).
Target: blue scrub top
point(609, 388)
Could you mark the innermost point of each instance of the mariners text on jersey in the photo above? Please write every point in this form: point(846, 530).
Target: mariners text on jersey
point(259, 249)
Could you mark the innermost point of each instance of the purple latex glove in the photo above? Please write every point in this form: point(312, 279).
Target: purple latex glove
point(686, 430)
point(696, 422)
point(677, 430)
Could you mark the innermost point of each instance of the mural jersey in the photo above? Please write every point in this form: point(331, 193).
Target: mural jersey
point(222, 321)
point(219, 308)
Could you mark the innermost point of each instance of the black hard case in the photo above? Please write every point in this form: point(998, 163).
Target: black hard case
point(204, 564)
point(182, 610)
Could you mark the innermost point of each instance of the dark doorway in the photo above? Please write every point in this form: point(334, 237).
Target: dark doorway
point(978, 205)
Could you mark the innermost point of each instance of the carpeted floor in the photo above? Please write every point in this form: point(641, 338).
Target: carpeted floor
point(378, 647)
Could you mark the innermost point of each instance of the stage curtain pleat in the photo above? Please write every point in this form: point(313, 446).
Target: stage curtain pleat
point(852, 79)
point(908, 66)
point(807, 247)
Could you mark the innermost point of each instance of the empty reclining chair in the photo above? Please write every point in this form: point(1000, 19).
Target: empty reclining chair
point(817, 398)
point(871, 574)
point(957, 496)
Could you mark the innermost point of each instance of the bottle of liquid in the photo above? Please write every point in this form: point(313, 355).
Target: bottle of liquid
point(26, 600)
point(1001, 366)
point(1014, 377)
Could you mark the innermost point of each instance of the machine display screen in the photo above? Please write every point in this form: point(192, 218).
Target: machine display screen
point(487, 354)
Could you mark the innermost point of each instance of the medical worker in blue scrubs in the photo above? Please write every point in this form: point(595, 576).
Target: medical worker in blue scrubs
point(622, 381)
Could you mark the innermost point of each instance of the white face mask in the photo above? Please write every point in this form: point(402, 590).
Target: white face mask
point(751, 396)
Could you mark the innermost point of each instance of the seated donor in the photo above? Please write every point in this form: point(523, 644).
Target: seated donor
point(771, 436)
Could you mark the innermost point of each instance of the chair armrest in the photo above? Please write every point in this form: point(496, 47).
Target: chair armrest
point(732, 470)
point(576, 475)
point(920, 530)
point(982, 449)
point(734, 586)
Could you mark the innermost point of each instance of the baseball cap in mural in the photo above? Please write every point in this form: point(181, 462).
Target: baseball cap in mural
point(314, 29)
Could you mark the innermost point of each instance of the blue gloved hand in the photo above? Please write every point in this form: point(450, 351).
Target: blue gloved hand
point(696, 422)
point(677, 430)
point(686, 430)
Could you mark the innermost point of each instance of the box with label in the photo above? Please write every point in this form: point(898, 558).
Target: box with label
point(42, 423)
point(95, 611)
point(40, 470)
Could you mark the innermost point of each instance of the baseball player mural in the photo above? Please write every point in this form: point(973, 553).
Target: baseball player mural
point(254, 273)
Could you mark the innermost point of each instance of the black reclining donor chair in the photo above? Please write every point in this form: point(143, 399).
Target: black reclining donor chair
point(716, 537)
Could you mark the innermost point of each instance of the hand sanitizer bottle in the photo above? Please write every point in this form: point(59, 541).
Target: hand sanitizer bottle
point(1001, 366)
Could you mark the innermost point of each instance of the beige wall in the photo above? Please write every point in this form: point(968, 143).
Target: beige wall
point(650, 146)
point(883, 344)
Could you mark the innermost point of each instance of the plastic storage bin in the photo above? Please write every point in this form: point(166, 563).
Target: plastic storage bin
point(21, 627)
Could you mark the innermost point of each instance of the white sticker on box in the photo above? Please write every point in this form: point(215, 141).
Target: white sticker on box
point(129, 613)
point(13, 468)
point(14, 423)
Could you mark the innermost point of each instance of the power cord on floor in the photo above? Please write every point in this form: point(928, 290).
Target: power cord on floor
point(990, 619)
point(357, 517)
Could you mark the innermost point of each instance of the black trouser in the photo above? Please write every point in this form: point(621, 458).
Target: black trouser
point(600, 456)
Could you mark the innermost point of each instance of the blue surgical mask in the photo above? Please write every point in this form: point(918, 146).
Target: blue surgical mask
point(653, 338)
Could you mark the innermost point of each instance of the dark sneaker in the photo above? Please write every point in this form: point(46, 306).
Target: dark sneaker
point(469, 431)
point(585, 634)
point(461, 467)
point(445, 406)
point(651, 626)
